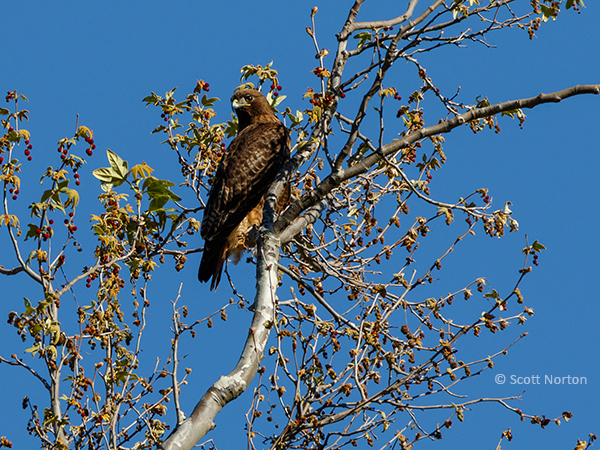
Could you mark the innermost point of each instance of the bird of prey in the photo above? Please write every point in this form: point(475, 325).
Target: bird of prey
point(255, 155)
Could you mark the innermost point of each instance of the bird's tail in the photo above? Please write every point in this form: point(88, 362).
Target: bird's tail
point(212, 262)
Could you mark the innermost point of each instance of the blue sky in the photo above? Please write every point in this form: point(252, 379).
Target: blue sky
point(100, 59)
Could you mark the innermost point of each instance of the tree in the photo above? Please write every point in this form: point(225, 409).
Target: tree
point(363, 337)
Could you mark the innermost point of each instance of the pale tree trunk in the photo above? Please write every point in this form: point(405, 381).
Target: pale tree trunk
point(232, 385)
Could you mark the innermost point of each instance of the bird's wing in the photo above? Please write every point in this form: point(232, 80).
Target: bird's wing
point(248, 167)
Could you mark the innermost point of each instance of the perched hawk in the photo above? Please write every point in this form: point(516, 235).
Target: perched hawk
point(249, 166)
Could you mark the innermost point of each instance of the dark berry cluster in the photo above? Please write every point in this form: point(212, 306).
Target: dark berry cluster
point(90, 142)
point(388, 28)
point(535, 260)
point(321, 100)
point(10, 95)
point(201, 86)
point(64, 152)
point(14, 193)
point(221, 150)
point(44, 232)
point(28, 149)
point(70, 224)
point(88, 280)
point(321, 73)
point(275, 88)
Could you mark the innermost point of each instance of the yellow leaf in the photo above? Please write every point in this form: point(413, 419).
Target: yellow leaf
point(85, 131)
point(388, 92)
point(141, 171)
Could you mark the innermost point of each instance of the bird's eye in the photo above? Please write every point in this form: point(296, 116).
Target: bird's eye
point(249, 98)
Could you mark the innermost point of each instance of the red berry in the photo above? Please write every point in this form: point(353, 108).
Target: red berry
point(17, 191)
point(29, 158)
point(93, 147)
point(14, 197)
point(75, 228)
point(30, 146)
point(76, 175)
point(51, 222)
point(88, 285)
point(77, 183)
point(27, 152)
point(27, 141)
point(38, 231)
point(11, 129)
point(275, 93)
point(1, 159)
point(63, 157)
point(11, 190)
point(273, 86)
point(71, 214)
point(342, 95)
point(89, 152)
point(278, 87)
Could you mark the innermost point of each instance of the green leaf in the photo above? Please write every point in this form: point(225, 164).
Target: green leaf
point(105, 174)
point(493, 294)
point(28, 308)
point(206, 102)
point(536, 246)
point(73, 196)
point(363, 38)
point(32, 232)
point(547, 13)
point(274, 101)
point(159, 193)
point(152, 98)
point(51, 350)
point(117, 164)
point(4, 112)
point(33, 350)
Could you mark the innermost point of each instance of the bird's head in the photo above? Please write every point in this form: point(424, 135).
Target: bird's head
point(251, 106)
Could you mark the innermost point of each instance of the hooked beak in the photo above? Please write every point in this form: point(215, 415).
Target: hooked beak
point(238, 103)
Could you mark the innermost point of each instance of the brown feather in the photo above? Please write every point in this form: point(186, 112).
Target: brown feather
point(251, 163)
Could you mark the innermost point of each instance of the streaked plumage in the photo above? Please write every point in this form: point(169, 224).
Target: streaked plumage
point(254, 157)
